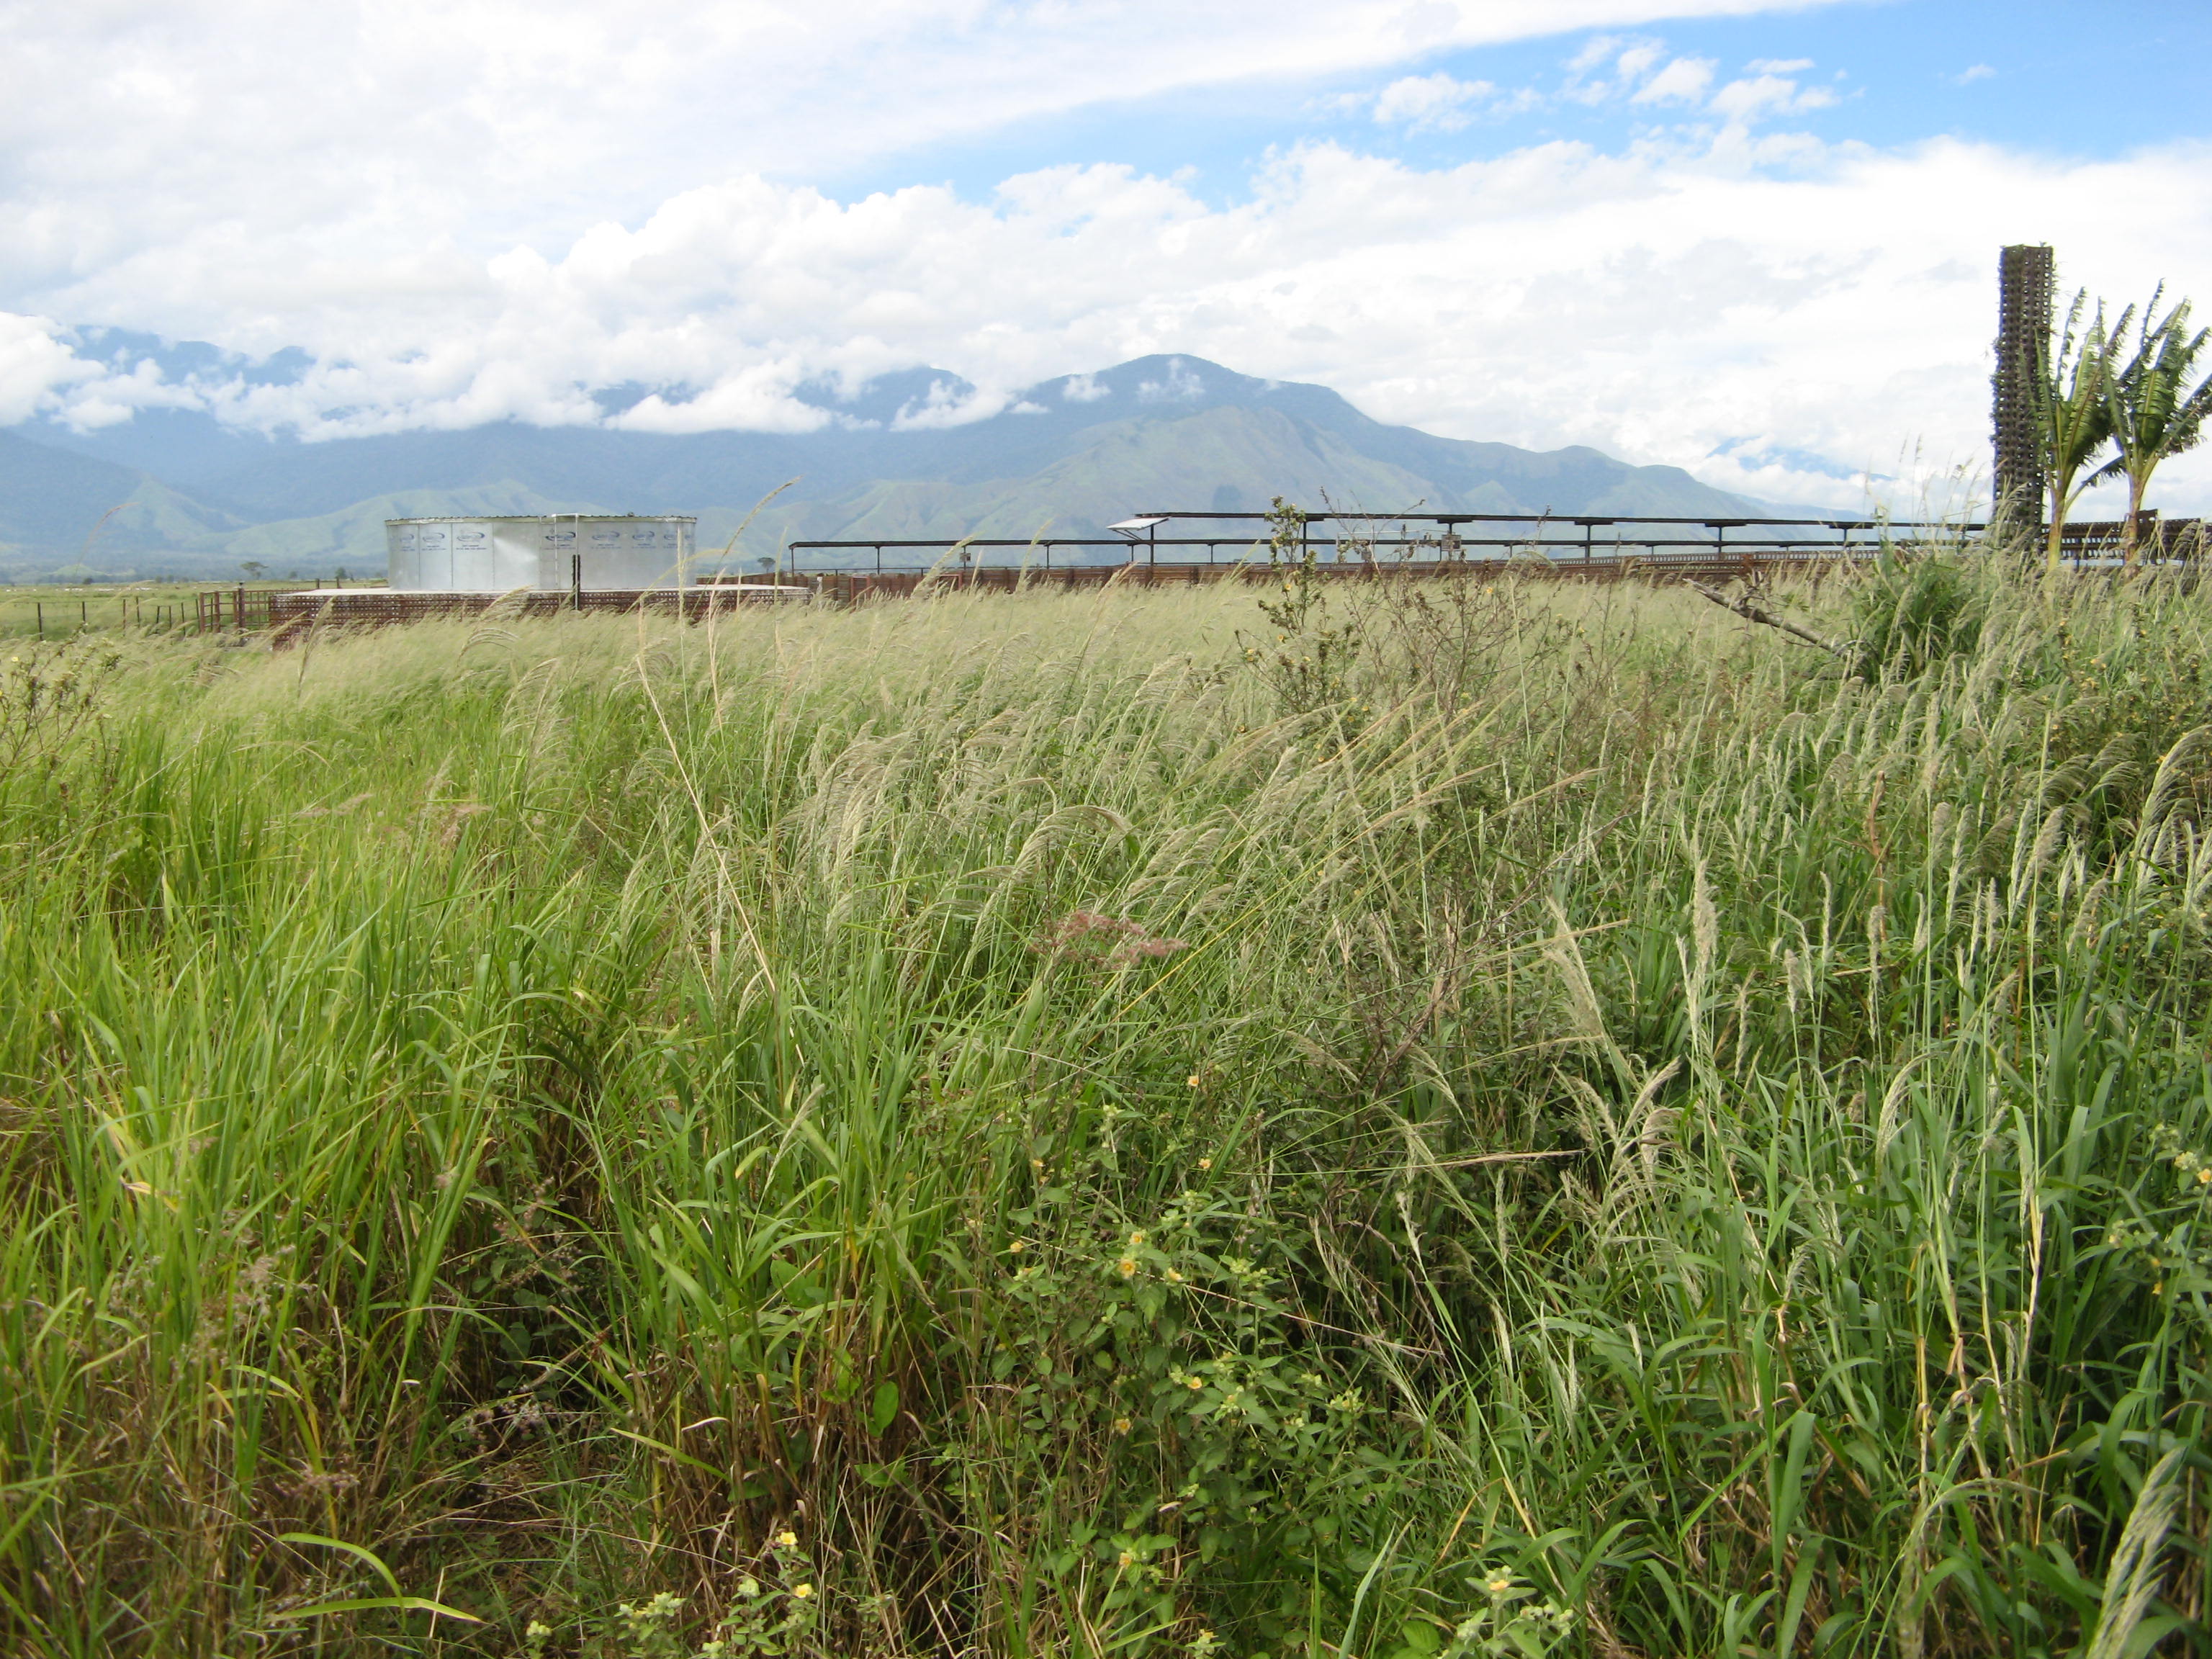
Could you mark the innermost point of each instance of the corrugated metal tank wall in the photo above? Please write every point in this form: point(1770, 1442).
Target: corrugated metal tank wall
point(496, 556)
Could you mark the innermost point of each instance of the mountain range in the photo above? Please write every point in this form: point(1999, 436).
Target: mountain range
point(176, 492)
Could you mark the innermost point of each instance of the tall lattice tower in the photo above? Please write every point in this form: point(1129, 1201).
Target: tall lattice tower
point(2026, 287)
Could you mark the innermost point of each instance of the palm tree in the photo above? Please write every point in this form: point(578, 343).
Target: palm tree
point(2152, 411)
point(2073, 418)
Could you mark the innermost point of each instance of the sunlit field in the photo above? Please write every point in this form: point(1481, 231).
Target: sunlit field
point(1517, 1119)
point(57, 611)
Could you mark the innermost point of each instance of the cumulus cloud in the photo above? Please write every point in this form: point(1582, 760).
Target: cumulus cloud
point(39, 369)
point(1763, 95)
point(1972, 73)
point(1183, 385)
point(221, 167)
point(947, 404)
point(1640, 71)
point(1430, 102)
point(1683, 81)
point(1613, 67)
point(1771, 329)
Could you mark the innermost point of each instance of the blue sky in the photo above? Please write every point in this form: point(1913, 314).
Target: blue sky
point(1754, 241)
point(2060, 79)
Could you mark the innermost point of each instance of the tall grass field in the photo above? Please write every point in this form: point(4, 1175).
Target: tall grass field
point(1414, 1122)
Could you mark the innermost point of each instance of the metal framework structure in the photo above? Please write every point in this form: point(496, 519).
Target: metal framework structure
point(2027, 288)
point(1631, 539)
point(2087, 544)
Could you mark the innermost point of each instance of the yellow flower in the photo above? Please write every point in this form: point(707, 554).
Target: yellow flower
point(1121, 1425)
point(787, 1539)
point(1173, 1278)
point(2204, 1177)
point(1036, 1165)
point(1195, 1382)
point(1019, 1246)
point(1205, 1163)
point(1126, 1266)
point(1192, 1079)
point(1498, 1582)
point(801, 1592)
point(1136, 1239)
point(1128, 1559)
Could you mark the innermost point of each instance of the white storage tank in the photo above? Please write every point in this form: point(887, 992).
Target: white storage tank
point(560, 551)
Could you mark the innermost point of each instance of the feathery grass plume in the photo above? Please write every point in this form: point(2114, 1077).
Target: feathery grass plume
point(1913, 609)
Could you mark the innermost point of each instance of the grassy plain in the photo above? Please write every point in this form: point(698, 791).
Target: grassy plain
point(1536, 1120)
point(57, 611)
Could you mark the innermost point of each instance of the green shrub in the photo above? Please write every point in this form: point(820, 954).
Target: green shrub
point(1913, 610)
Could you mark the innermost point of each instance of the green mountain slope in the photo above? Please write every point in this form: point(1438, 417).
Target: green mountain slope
point(57, 507)
point(1223, 458)
point(1065, 458)
point(353, 536)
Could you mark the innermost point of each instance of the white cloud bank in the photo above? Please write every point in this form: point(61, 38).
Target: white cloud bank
point(1771, 311)
point(231, 161)
point(1662, 305)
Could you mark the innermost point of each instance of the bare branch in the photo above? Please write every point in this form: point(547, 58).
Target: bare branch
point(1746, 607)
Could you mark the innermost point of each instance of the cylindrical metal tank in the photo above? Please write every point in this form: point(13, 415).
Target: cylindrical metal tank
point(556, 551)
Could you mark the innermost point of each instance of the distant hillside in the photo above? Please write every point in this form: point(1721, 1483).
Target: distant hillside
point(55, 508)
point(1069, 457)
